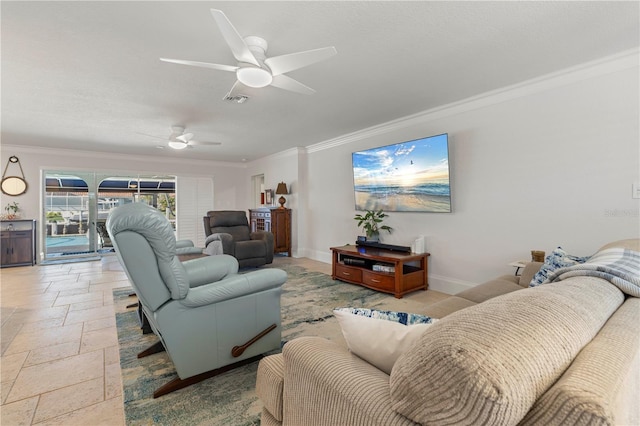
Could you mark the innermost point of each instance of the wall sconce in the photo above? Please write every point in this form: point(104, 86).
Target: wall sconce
point(280, 190)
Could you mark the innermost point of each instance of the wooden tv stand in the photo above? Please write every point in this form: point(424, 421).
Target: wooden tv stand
point(366, 266)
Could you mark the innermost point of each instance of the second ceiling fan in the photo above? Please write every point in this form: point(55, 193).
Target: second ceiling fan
point(180, 140)
point(254, 69)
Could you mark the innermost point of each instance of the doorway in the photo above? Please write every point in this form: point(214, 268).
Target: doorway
point(258, 190)
point(77, 205)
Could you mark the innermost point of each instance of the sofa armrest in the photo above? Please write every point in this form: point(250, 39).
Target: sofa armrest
point(528, 272)
point(324, 384)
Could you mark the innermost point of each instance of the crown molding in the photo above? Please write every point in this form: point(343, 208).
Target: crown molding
point(114, 156)
point(279, 155)
point(603, 66)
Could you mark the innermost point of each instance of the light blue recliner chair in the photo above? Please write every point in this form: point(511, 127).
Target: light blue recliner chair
point(208, 317)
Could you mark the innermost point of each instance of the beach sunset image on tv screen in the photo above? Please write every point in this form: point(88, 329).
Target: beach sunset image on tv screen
point(410, 176)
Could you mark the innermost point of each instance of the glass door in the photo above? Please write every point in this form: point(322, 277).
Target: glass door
point(69, 214)
point(77, 205)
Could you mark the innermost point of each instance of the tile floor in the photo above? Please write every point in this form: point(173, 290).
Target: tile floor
point(59, 348)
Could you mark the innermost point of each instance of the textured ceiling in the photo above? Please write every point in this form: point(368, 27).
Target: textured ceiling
point(87, 75)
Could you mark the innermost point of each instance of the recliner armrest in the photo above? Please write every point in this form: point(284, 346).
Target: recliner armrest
point(228, 245)
point(235, 286)
point(184, 243)
point(206, 270)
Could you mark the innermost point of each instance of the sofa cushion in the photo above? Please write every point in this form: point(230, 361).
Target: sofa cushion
point(447, 306)
point(488, 364)
point(587, 392)
point(491, 289)
point(380, 337)
point(250, 248)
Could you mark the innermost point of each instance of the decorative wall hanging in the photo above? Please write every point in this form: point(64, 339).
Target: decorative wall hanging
point(13, 185)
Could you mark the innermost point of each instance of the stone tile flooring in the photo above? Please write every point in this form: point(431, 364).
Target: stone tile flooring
point(59, 347)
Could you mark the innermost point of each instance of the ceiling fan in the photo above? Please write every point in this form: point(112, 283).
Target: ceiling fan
point(254, 69)
point(181, 140)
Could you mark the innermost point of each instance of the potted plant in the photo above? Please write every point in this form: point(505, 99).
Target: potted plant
point(12, 210)
point(371, 222)
point(53, 218)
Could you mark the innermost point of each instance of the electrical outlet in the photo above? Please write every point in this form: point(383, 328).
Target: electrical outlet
point(635, 190)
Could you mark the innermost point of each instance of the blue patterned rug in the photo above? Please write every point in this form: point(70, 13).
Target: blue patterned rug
point(308, 299)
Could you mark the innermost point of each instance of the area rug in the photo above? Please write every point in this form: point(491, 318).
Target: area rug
point(308, 299)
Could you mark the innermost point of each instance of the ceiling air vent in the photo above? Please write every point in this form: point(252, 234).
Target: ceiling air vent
point(240, 99)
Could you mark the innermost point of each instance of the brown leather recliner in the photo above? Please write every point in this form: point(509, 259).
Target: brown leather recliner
point(231, 228)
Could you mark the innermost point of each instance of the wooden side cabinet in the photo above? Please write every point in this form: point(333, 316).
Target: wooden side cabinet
point(18, 243)
point(278, 222)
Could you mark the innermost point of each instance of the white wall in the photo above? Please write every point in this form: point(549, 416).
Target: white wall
point(546, 164)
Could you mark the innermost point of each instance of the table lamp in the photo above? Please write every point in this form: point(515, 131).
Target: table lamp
point(280, 190)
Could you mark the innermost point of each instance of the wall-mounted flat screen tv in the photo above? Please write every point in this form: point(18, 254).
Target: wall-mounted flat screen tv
point(411, 176)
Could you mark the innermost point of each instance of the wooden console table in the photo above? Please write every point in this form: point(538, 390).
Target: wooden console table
point(18, 242)
point(388, 271)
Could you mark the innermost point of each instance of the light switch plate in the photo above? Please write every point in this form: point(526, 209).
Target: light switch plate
point(635, 190)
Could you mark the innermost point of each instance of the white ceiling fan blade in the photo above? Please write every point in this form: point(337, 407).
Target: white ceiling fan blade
point(237, 45)
point(285, 63)
point(203, 143)
point(202, 64)
point(185, 137)
point(287, 83)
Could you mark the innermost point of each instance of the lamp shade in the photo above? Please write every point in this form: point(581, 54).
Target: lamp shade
point(282, 188)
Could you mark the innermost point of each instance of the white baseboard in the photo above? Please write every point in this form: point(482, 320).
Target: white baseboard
point(320, 256)
point(448, 285)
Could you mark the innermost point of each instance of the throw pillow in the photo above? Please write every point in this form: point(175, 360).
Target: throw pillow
point(380, 337)
point(556, 260)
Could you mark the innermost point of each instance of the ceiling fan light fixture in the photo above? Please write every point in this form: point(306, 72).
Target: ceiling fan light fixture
point(177, 145)
point(254, 77)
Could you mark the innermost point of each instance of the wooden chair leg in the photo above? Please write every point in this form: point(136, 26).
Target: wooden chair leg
point(153, 349)
point(133, 305)
point(179, 383)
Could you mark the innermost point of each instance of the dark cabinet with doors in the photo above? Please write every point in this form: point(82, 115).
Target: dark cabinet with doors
point(18, 243)
point(278, 222)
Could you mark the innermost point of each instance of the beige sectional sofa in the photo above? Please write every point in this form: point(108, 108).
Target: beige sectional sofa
point(562, 353)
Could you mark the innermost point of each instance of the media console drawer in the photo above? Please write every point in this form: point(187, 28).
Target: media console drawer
point(379, 281)
point(349, 273)
point(383, 270)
